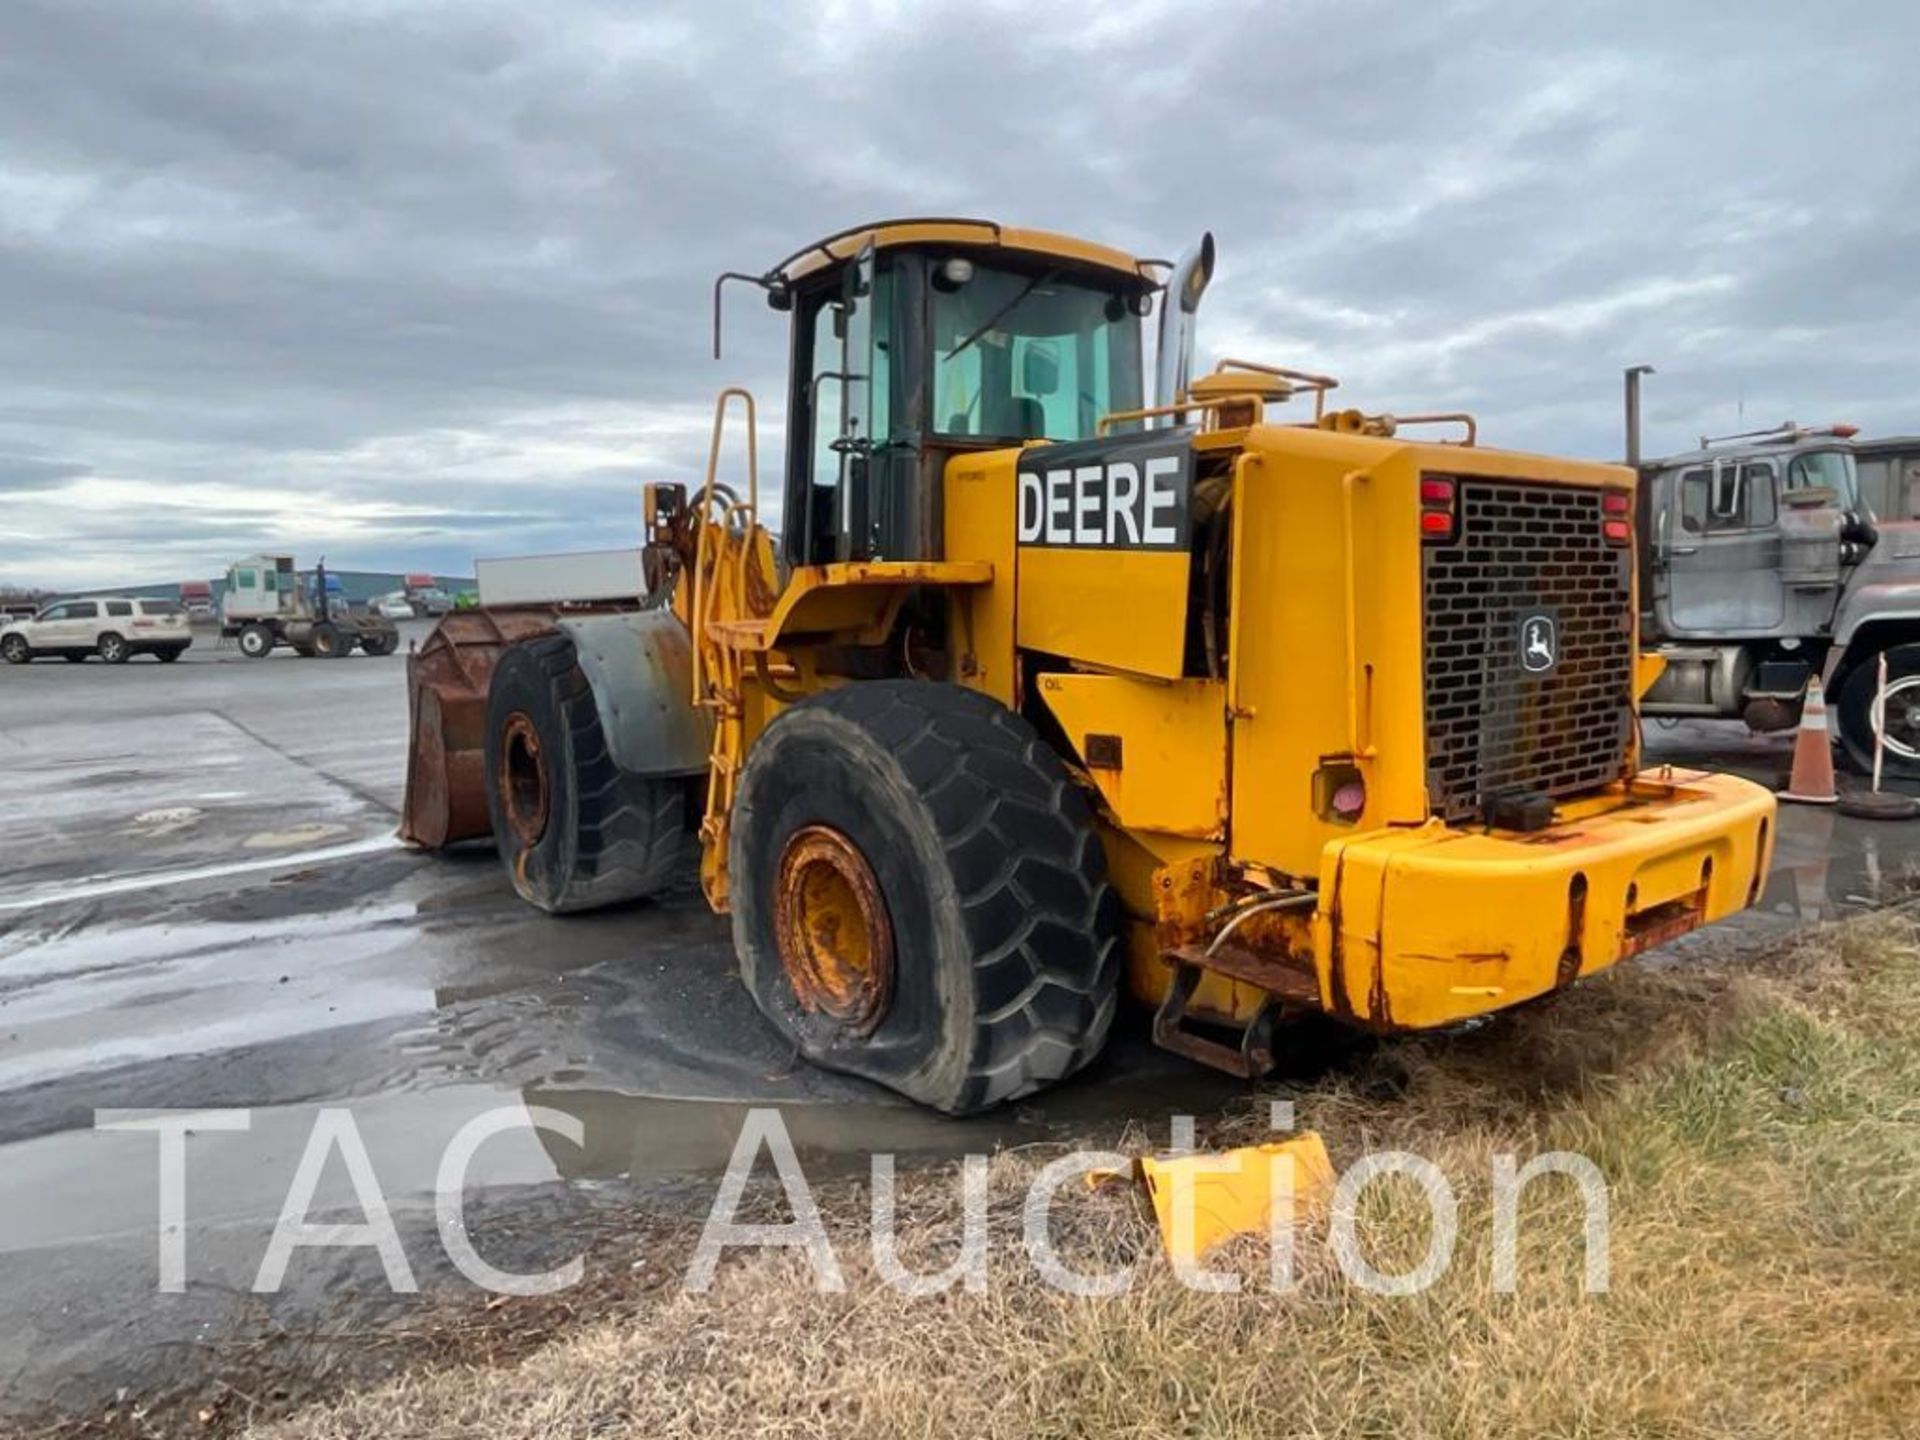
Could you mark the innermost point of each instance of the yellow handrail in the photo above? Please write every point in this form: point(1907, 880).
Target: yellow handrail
point(702, 585)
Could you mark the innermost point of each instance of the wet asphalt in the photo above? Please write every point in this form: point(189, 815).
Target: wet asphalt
point(201, 906)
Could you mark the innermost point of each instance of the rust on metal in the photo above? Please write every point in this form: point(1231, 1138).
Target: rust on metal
point(447, 679)
point(1569, 967)
point(1279, 976)
point(1661, 923)
point(1251, 1058)
point(831, 925)
point(525, 794)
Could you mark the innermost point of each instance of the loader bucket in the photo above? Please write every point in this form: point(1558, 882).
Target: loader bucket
point(447, 681)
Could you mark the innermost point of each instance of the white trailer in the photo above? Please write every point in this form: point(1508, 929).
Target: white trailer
point(580, 577)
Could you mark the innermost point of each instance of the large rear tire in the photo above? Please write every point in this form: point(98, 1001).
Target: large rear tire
point(1858, 726)
point(575, 830)
point(919, 896)
point(380, 642)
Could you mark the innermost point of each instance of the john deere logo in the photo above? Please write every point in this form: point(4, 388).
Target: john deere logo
point(1539, 644)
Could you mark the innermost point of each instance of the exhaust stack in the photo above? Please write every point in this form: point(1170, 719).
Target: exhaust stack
point(1173, 358)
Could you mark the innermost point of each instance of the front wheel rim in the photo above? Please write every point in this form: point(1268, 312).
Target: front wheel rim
point(831, 926)
point(1902, 700)
point(524, 792)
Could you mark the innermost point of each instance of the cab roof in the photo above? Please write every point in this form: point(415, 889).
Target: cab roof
point(975, 234)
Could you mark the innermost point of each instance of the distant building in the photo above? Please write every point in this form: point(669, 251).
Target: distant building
point(356, 586)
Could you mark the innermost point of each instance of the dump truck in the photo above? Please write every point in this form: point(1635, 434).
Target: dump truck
point(267, 603)
point(1763, 564)
point(1048, 692)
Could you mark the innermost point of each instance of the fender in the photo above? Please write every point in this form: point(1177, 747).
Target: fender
point(640, 665)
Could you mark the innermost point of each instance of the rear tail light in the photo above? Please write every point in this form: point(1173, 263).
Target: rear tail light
point(1436, 507)
point(1339, 792)
point(1615, 505)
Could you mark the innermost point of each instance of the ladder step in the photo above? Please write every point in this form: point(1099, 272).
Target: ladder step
point(1251, 1058)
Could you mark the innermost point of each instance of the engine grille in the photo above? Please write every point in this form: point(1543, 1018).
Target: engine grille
point(1525, 550)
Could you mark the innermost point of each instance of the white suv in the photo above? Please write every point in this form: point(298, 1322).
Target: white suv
point(111, 627)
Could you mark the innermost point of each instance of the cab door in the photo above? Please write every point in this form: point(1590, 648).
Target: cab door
point(1720, 551)
point(66, 626)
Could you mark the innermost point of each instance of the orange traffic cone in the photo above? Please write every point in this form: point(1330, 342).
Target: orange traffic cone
point(1812, 780)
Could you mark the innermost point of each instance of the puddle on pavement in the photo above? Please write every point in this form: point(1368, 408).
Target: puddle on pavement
point(420, 993)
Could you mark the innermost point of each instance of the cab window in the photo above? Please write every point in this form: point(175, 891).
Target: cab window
point(1754, 504)
point(1031, 356)
point(1829, 470)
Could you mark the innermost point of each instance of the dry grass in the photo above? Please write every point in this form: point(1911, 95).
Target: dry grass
point(1758, 1123)
point(1760, 1131)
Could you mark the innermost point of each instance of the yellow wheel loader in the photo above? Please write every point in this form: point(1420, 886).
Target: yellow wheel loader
point(1252, 707)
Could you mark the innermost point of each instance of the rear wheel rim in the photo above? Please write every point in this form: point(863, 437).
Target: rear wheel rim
point(110, 648)
point(524, 792)
point(830, 923)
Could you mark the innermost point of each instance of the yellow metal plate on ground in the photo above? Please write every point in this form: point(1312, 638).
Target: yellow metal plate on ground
point(1201, 1201)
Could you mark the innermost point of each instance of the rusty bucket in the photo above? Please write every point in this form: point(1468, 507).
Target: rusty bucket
point(447, 680)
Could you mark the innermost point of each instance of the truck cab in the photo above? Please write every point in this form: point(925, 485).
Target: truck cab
point(1762, 568)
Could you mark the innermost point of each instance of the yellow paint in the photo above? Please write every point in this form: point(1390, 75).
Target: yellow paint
point(1648, 668)
point(1426, 926)
point(1121, 609)
point(980, 524)
point(1202, 1200)
point(1042, 243)
point(1172, 739)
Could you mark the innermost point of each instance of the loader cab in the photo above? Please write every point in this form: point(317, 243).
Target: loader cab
point(918, 342)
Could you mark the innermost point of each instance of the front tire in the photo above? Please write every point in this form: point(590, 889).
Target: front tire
point(380, 642)
point(113, 648)
point(1858, 728)
point(575, 831)
point(981, 963)
point(15, 650)
point(256, 642)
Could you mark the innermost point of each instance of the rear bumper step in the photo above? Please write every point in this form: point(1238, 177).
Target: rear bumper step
point(1431, 925)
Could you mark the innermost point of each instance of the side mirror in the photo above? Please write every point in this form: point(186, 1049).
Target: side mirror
point(856, 281)
point(1040, 369)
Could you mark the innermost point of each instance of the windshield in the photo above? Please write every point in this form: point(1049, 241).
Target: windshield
point(1831, 469)
point(1031, 356)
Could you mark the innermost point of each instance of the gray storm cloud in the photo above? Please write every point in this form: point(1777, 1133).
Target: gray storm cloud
point(407, 284)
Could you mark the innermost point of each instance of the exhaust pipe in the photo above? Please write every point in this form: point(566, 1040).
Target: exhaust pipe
point(1634, 373)
point(1173, 358)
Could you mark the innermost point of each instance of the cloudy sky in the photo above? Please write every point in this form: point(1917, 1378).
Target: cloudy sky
point(403, 284)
